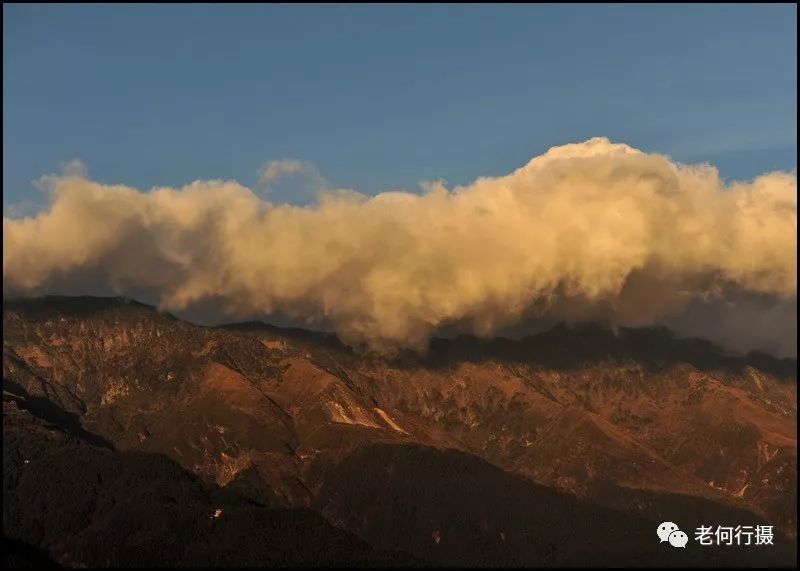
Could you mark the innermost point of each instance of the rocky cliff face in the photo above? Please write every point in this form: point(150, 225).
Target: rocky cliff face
point(636, 422)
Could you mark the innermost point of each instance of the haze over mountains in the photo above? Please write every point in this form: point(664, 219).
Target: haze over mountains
point(563, 448)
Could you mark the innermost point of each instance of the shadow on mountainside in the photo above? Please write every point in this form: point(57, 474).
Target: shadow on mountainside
point(82, 505)
point(457, 509)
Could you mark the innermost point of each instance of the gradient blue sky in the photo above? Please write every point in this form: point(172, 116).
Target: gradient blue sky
point(382, 97)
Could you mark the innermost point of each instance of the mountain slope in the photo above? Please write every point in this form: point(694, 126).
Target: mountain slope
point(638, 422)
point(90, 506)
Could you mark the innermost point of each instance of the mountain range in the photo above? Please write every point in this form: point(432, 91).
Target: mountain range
point(134, 438)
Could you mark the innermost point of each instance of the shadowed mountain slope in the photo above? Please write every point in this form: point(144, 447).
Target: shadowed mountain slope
point(634, 428)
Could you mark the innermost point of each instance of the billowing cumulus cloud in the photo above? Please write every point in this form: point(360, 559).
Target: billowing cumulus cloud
point(594, 230)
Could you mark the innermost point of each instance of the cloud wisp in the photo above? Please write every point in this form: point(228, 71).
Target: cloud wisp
point(304, 178)
point(594, 230)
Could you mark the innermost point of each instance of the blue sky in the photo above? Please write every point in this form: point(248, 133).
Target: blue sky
point(382, 97)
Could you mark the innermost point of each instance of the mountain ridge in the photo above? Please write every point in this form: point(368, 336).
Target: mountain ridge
point(466, 346)
point(638, 422)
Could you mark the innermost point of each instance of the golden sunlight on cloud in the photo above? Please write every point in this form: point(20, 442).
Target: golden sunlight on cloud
point(586, 230)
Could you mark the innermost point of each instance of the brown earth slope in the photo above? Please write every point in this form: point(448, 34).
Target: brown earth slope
point(638, 422)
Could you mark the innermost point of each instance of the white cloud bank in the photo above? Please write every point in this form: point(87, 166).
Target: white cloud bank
point(588, 230)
